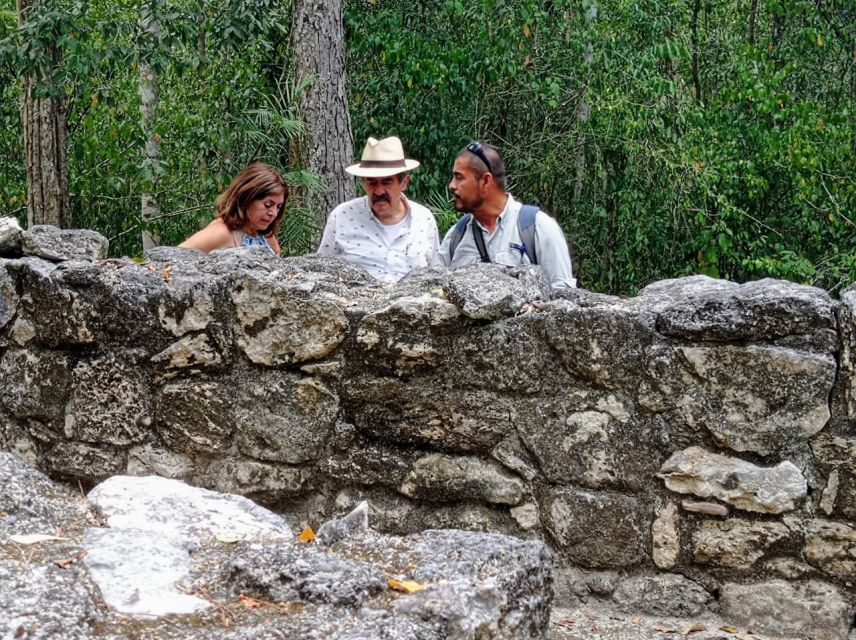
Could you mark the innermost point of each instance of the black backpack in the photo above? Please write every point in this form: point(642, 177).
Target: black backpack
point(525, 227)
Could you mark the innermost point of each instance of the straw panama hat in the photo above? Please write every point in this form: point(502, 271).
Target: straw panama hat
point(382, 158)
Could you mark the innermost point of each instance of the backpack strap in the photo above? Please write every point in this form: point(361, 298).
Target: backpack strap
point(526, 228)
point(458, 233)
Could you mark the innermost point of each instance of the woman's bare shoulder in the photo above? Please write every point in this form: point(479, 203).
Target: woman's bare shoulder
point(215, 236)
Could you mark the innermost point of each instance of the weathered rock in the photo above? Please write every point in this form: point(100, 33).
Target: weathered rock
point(665, 537)
point(409, 334)
point(162, 505)
point(356, 522)
point(813, 609)
point(195, 352)
point(667, 594)
point(110, 402)
point(737, 482)
point(831, 547)
point(459, 420)
point(847, 328)
point(83, 461)
point(195, 416)
point(838, 454)
point(701, 308)
point(8, 297)
point(260, 481)
point(284, 418)
point(280, 324)
point(447, 478)
point(45, 603)
point(707, 508)
point(357, 460)
point(491, 292)
point(150, 459)
point(606, 344)
point(752, 398)
point(190, 303)
point(10, 236)
point(137, 571)
point(590, 441)
point(595, 530)
point(53, 243)
point(35, 384)
point(736, 543)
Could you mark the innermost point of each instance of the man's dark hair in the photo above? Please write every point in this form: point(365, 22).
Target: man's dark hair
point(497, 166)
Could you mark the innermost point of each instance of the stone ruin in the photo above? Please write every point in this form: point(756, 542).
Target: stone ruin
point(691, 448)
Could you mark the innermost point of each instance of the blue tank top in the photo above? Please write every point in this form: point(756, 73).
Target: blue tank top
point(254, 241)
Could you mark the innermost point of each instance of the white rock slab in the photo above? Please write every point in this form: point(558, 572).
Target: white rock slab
point(163, 505)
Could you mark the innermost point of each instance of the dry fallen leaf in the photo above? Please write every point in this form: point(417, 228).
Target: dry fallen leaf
point(33, 538)
point(728, 628)
point(62, 564)
point(566, 622)
point(664, 628)
point(227, 538)
point(635, 619)
point(405, 586)
point(691, 628)
point(251, 603)
point(307, 535)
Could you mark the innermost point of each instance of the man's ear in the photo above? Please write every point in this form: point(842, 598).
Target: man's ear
point(405, 181)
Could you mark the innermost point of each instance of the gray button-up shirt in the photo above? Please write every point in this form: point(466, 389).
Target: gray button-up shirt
point(551, 248)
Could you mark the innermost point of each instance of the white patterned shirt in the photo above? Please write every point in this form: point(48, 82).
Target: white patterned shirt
point(355, 234)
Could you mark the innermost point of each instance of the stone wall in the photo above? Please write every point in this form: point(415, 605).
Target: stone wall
point(692, 447)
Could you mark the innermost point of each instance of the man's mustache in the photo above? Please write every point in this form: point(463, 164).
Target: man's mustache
point(381, 198)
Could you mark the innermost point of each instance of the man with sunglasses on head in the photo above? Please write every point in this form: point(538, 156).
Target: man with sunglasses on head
point(491, 230)
point(383, 232)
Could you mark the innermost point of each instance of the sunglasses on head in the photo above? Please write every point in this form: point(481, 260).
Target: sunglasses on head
point(477, 150)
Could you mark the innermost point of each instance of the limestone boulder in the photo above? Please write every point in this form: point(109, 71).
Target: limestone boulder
point(35, 385)
point(151, 459)
point(666, 537)
point(411, 412)
point(84, 461)
point(596, 530)
point(284, 418)
point(263, 482)
point(667, 594)
point(8, 297)
point(837, 455)
point(52, 243)
point(10, 236)
point(445, 478)
point(491, 291)
point(703, 308)
point(191, 302)
point(604, 344)
point(739, 483)
point(831, 547)
point(590, 440)
point(281, 324)
point(111, 401)
point(353, 459)
point(195, 416)
point(749, 398)
point(193, 354)
point(736, 543)
point(847, 329)
point(812, 609)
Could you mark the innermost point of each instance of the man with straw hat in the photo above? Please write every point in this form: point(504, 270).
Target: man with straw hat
point(383, 232)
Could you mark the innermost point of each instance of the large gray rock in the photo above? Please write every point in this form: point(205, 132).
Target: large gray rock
point(284, 418)
point(445, 478)
point(737, 482)
point(491, 291)
point(831, 547)
point(667, 594)
point(195, 416)
point(8, 297)
point(736, 543)
point(36, 385)
point(814, 609)
point(10, 236)
point(280, 323)
point(701, 308)
point(750, 398)
point(111, 402)
point(84, 461)
point(837, 454)
point(595, 530)
point(52, 243)
point(266, 483)
point(605, 345)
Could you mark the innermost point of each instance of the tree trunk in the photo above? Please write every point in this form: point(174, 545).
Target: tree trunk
point(44, 128)
point(318, 43)
point(148, 86)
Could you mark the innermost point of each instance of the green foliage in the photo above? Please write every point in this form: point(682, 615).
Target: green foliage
point(225, 99)
point(667, 142)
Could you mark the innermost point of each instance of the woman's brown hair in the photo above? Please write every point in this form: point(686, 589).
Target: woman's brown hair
point(255, 182)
